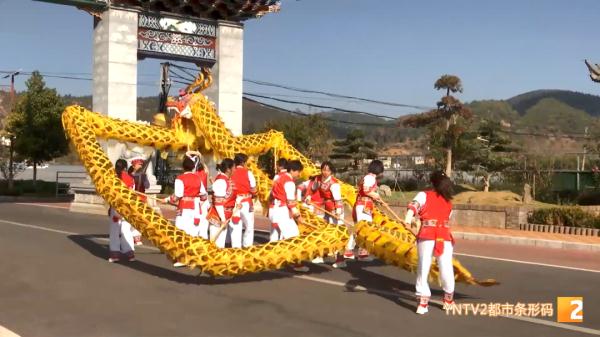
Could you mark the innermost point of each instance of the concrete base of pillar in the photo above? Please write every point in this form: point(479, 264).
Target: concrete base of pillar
point(86, 200)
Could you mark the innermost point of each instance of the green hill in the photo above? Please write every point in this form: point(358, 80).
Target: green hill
point(554, 115)
point(585, 102)
point(554, 111)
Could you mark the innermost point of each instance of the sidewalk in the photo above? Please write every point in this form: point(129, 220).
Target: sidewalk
point(508, 236)
point(529, 238)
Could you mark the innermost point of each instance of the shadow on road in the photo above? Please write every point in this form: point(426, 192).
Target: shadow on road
point(100, 250)
point(397, 291)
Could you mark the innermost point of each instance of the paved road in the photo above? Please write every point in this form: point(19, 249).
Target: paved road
point(56, 282)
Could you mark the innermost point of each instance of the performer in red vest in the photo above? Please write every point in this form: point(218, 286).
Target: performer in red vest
point(281, 168)
point(434, 238)
point(330, 192)
point(364, 205)
point(283, 211)
point(308, 193)
point(120, 234)
point(223, 211)
point(188, 186)
point(202, 204)
point(141, 184)
point(244, 187)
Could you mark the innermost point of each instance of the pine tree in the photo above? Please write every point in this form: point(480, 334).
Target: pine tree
point(354, 147)
point(445, 118)
point(489, 152)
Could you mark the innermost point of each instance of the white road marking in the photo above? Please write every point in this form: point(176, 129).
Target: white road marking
point(4, 332)
point(528, 262)
point(40, 205)
point(361, 288)
point(389, 293)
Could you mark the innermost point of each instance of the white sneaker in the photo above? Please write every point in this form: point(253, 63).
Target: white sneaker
point(301, 269)
point(318, 260)
point(421, 310)
point(113, 259)
point(349, 255)
point(178, 264)
point(339, 264)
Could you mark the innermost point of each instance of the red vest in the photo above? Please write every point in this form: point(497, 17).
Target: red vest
point(191, 189)
point(127, 180)
point(326, 194)
point(228, 202)
point(362, 199)
point(435, 215)
point(278, 192)
point(362, 192)
point(241, 182)
point(312, 190)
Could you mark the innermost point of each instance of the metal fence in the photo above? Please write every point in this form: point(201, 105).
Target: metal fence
point(64, 180)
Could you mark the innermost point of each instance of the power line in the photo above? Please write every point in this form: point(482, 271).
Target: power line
point(184, 69)
point(546, 135)
point(173, 73)
point(263, 83)
point(78, 78)
point(319, 106)
point(65, 73)
point(324, 118)
point(300, 96)
point(282, 86)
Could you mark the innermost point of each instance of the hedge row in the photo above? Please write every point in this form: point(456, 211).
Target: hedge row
point(564, 216)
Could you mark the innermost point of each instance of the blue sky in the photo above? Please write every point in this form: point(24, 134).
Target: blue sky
point(387, 49)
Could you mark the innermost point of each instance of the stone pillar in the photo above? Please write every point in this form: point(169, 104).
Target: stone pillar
point(114, 88)
point(115, 68)
point(226, 89)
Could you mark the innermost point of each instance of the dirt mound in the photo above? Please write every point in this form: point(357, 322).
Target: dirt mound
point(498, 198)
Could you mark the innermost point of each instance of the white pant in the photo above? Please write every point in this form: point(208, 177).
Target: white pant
point(234, 230)
point(220, 241)
point(119, 235)
point(248, 222)
point(425, 249)
point(201, 213)
point(185, 222)
point(360, 216)
point(283, 226)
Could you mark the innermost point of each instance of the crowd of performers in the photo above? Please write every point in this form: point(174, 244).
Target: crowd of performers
point(227, 214)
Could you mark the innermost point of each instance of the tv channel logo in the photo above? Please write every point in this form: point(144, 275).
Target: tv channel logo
point(569, 309)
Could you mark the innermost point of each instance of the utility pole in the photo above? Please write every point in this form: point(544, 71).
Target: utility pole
point(11, 137)
point(12, 86)
point(584, 150)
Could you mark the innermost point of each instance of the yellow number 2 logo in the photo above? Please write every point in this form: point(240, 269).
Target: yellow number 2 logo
point(569, 309)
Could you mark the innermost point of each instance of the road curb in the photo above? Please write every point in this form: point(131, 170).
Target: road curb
point(557, 244)
point(8, 198)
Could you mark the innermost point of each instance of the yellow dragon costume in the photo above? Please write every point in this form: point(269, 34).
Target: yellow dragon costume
point(205, 131)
